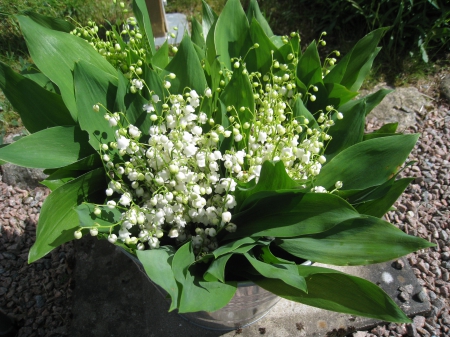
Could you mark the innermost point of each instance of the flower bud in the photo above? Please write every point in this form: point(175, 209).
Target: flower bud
point(77, 234)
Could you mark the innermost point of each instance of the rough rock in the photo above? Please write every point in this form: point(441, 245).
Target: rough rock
point(444, 88)
point(399, 106)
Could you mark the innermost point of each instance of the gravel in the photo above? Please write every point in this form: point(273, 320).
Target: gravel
point(38, 296)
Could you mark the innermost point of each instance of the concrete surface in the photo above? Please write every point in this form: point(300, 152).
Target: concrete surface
point(174, 20)
point(113, 298)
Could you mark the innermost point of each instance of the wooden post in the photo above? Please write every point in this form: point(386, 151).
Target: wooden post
point(157, 17)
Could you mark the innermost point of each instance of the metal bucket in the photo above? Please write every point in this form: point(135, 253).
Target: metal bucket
point(249, 304)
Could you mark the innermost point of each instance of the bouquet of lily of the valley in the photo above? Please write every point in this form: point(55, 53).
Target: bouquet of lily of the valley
point(233, 156)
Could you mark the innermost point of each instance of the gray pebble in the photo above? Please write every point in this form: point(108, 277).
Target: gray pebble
point(40, 302)
point(422, 296)
point(404, 296)
point(443, 235)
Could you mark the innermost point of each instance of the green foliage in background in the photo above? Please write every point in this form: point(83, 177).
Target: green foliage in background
point(418, 29)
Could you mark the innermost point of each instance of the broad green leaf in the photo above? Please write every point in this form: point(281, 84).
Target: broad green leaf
point(123, 95)
point(300, 110)
point(107, 218)
point(50, 148)
point(158, 266)
point(54, 182)
point(381, 206)
point(216, 270)
point(231, 32)
point(288, 273)
point(267, 256)
point(385, 131)
point(58, 219)
point(367, 163)
point(88, 163)
point(94, 86)
point(141, 12)
point(359, 241)
point(338, 94)
point(374, 99)
point(188, 69)
point(351, 70)
point(209, 19)
point(38, 108)
point(349, 130)
point(196, 294)
point(197, 33)
point(55, 53)
point(331, 290)
point(309, 68)
point(260, 59)
point(232, 246)
point(238, 93)
point(273, 177)
point(253, 12)
point(50, 22)
point(291, 213)
point(34, 74)
point(154, 82)
point(161, 57)
point(292, 47)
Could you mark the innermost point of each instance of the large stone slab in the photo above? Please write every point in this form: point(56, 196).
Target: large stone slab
point(112, 297)
point(399, 106)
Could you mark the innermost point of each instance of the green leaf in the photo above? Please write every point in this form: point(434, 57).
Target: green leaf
point(107, 219)
point(67, 173)
point(357, 241)
point(349, 130)
point(55, 53)
point(197, 33)
point(161, 57)
point(380, 206)
point(260, 59)
point(141, 12)
point(216, 270)
point(50, 22)
point(34, 74)
point(50, 148)
point(253, 12)
point(351, 70)
point(238, 93)
point(288, 273)
point(309, 68)
point(338, 94)
point(94, 86)
point(367, 163)
point(158, 266)
point(58, 219)
point(331, 290)
point(231, 32)
point(188, 69)
point(291, 213)
point(209, 18)
point(232, 246)
point(38, 108)
point(386, 130)
point(300, 110)
point(273, 177)
point(374, 99)
point(196, 294)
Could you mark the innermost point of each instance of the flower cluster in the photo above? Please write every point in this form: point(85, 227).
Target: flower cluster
point(178, 185)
